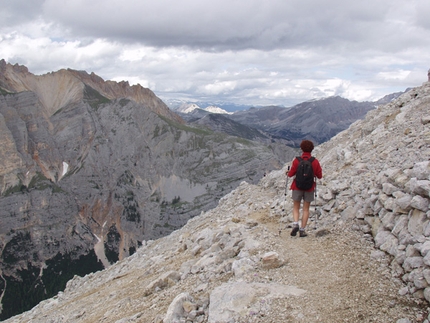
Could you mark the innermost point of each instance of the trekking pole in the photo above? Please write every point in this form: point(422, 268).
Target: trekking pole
point(285, 196)
point(315, 205)
point(286, 189)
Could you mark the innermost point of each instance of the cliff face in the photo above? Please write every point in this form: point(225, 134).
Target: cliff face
point(90, 169)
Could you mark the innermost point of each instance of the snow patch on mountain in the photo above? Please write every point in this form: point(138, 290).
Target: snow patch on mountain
point(215, 109)
point(190, 107)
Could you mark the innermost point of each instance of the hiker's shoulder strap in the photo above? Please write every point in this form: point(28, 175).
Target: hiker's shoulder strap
point(301, 159)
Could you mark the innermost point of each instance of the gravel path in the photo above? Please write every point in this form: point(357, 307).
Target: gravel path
point(343, 282)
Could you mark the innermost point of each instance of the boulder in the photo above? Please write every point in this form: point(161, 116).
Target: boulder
point(420, 203)
point(417, 222)
point(231, 300)
point(271, 260)
point(421, 170)
point(176, 310)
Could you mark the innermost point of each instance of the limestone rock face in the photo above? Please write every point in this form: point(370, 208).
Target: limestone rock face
point(90, 169)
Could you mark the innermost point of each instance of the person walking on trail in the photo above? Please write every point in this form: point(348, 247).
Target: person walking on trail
point(305, 168)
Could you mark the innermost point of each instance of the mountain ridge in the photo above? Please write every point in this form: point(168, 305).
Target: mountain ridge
point(65, 89)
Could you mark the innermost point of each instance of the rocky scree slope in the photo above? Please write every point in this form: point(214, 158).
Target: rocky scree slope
point(90, 169)
point(365, 262)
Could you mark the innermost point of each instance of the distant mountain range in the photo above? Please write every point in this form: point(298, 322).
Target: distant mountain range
point(316, 120)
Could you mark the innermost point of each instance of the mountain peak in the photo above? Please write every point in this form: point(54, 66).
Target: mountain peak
point(58, 89)
point(188, 108)
point(218, 110)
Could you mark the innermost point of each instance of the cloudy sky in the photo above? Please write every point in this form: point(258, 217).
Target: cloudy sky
point(253, 52)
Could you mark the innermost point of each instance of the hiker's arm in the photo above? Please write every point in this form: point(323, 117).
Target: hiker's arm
point(318, 170)
point(293, 168)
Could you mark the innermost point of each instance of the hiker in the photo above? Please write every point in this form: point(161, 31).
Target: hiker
point(306, 191)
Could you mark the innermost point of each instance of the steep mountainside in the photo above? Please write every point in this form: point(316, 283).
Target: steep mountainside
point(220, 123)
point(58, 89)
point(368, 260)
point(90, 169)
point(317, 120)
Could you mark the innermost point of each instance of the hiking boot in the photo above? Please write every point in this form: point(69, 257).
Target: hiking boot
point(294, 231)
point(303, 234)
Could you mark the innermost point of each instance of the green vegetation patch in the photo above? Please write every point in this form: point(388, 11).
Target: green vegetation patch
point(184, 127)
point(130, 206)
point(19, 188)
point(4, 92)
point(123, 102)
point(94, 98)
point(23, 293)
point(40, 182)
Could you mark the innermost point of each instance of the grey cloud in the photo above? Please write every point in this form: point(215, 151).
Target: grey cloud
point(423, 14)
point(223, 24)
point(15, 12)
point(243, 51)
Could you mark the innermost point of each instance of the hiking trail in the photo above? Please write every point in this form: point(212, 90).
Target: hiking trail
point(343, 282)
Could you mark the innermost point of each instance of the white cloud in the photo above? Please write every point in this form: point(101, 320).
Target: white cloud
point(244, 51)
point(394, 75)
point(218, 87)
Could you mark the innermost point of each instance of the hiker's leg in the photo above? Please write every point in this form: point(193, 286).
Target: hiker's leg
point(296, 211)
point(296, 215)
point(305, 217)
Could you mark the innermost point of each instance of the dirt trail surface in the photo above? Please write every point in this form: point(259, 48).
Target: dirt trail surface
point(343, 282)
point(332, 275)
